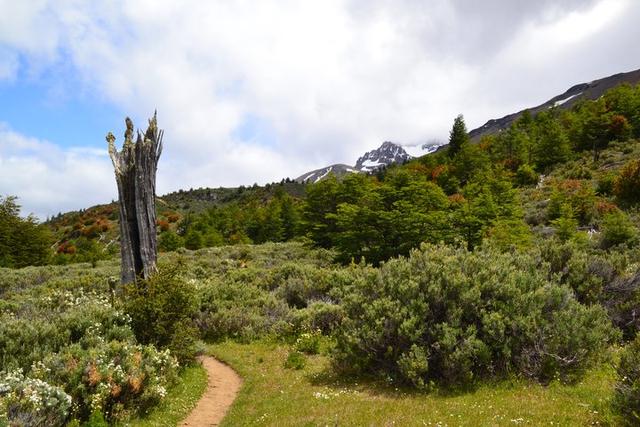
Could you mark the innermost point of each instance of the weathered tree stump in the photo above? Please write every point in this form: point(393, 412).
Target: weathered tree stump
point(135, 168)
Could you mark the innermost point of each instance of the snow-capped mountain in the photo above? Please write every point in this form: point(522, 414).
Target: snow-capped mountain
point(388, 153)
point(385, 155)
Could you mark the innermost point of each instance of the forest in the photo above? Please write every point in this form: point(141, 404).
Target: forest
point(510, 260)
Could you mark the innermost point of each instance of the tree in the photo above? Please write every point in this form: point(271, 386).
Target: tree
point(22, 241)
point(458, 136)
point(552, 143)
point(135, 169)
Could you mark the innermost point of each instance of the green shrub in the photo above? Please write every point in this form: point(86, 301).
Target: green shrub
point(309, 342)
point(318, 315)
point(31, 402)
point(565, 225)
point(618, 229)
point(170, 241)
point(526, 176)
point(238, 310)
point(448, 316)
point(162, 311)
point(626, 400)
point(606, 184)
point(295, 360)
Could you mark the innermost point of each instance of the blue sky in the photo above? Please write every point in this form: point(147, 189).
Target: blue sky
point(257, 91)
point(34, 107)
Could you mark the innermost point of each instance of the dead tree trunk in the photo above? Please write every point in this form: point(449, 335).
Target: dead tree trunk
point(135, 168)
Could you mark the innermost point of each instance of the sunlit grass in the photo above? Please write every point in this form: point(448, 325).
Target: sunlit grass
point(273, 395)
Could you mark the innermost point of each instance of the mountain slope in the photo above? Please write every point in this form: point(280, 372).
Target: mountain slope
point(314, 176)
point(583, 91)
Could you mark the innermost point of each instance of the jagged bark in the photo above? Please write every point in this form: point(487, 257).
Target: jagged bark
point(135, 169)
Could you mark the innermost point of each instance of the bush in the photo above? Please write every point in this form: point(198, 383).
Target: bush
point(319, 315)
point(526, 176)
point(170, 241)
point(110, 378)
point(606, 184)
point(295, 360)
point(238, 309)
point(162, 311)
point(618, 229)
point(627, 184)
point(448, 316)
point(626, 400)
point(309, 342)
point(31, 402)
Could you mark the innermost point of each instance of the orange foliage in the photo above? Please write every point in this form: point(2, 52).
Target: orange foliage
point(457, 198)
point(93, 375)
point(162, 224)
point(438, 170)
point(605, 207)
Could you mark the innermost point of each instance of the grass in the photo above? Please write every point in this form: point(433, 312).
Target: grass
point(274, 395)
point(180, 400)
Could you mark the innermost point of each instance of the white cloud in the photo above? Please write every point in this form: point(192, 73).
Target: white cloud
point(48, 179)
point(330, 79)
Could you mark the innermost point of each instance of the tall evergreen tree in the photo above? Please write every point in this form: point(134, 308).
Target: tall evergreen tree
point(458, 136)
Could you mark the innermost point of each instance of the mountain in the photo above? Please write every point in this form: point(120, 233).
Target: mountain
point(385, 155)
point(388, 153)
point(314, 176)
point(586, 91)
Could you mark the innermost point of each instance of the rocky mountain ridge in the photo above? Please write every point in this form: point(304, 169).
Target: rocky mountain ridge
point(387, 154)
point(583, 91)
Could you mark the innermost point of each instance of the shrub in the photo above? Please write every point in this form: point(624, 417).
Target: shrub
point(319, 315)
point(618, 229)
point(606, 184)
point(627, 184)
point(566, 224)
point(526, 176)
point(295, 360)
point(238, 309)
point(162, 308)
point(626, 400)
point(309, 342)
point(31, 402)
point(110, 378)
point(449, 316)
point(162, 225)
point(170, 241)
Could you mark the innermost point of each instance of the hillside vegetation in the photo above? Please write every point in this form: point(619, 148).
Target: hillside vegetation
point(512, 260)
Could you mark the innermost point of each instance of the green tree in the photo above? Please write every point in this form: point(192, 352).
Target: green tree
point(22, 240)
point(552, 144)
point(566, 224)
point(617, 229)
point(458, 137)
point(170, 241)
point(193, 240)
point(289, 215)
point(321, 200)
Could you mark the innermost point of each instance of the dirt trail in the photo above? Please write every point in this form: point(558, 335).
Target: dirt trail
point(222, 387)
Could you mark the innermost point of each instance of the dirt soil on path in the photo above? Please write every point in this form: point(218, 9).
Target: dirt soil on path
point(222, 387)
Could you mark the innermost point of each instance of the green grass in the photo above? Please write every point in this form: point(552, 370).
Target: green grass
point(273, 395)
point(180, 400)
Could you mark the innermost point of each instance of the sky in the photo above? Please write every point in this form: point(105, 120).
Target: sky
point(253, 92)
